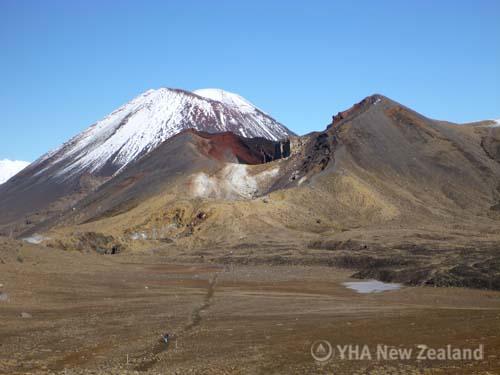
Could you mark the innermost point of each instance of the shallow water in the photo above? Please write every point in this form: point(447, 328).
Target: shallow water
point(371, 286)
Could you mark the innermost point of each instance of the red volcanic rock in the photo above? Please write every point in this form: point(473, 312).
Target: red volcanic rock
point(229, 147)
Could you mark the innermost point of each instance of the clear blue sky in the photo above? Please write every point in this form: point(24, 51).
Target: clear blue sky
point(65, 64)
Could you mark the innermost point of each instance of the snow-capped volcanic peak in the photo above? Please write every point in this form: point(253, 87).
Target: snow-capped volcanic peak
point(228, 98)
point(141, 125)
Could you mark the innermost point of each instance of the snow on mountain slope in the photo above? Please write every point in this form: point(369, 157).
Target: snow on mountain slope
point(228, 98)
point(141, 125)
point(9, 168)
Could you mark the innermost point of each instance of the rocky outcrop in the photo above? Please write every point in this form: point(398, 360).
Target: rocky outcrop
point(356, 109)
point(282, 149)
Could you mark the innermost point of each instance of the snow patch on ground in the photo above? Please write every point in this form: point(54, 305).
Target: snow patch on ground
point(139, 236)
point(302, 180)
point(9, 168)
point(35, 239)
point(233, 182)
point(491, 124)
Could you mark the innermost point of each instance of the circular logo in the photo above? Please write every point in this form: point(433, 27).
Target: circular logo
point(321, 350)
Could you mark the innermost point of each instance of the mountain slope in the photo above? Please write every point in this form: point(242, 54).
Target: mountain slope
point(228, 98)
point(377, 163)
point(417, 161)
point(383, 190)
point(63, 176)
point(199, 165)
point(142, 124)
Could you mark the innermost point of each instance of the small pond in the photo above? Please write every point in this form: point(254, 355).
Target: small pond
point(371, 286)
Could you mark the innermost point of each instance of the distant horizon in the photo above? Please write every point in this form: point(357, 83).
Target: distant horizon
point(67, 65)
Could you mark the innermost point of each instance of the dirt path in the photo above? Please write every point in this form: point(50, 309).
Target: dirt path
point(194, 320)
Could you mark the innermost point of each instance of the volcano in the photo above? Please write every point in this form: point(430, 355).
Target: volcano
point(383, 190)
point(62, 177)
